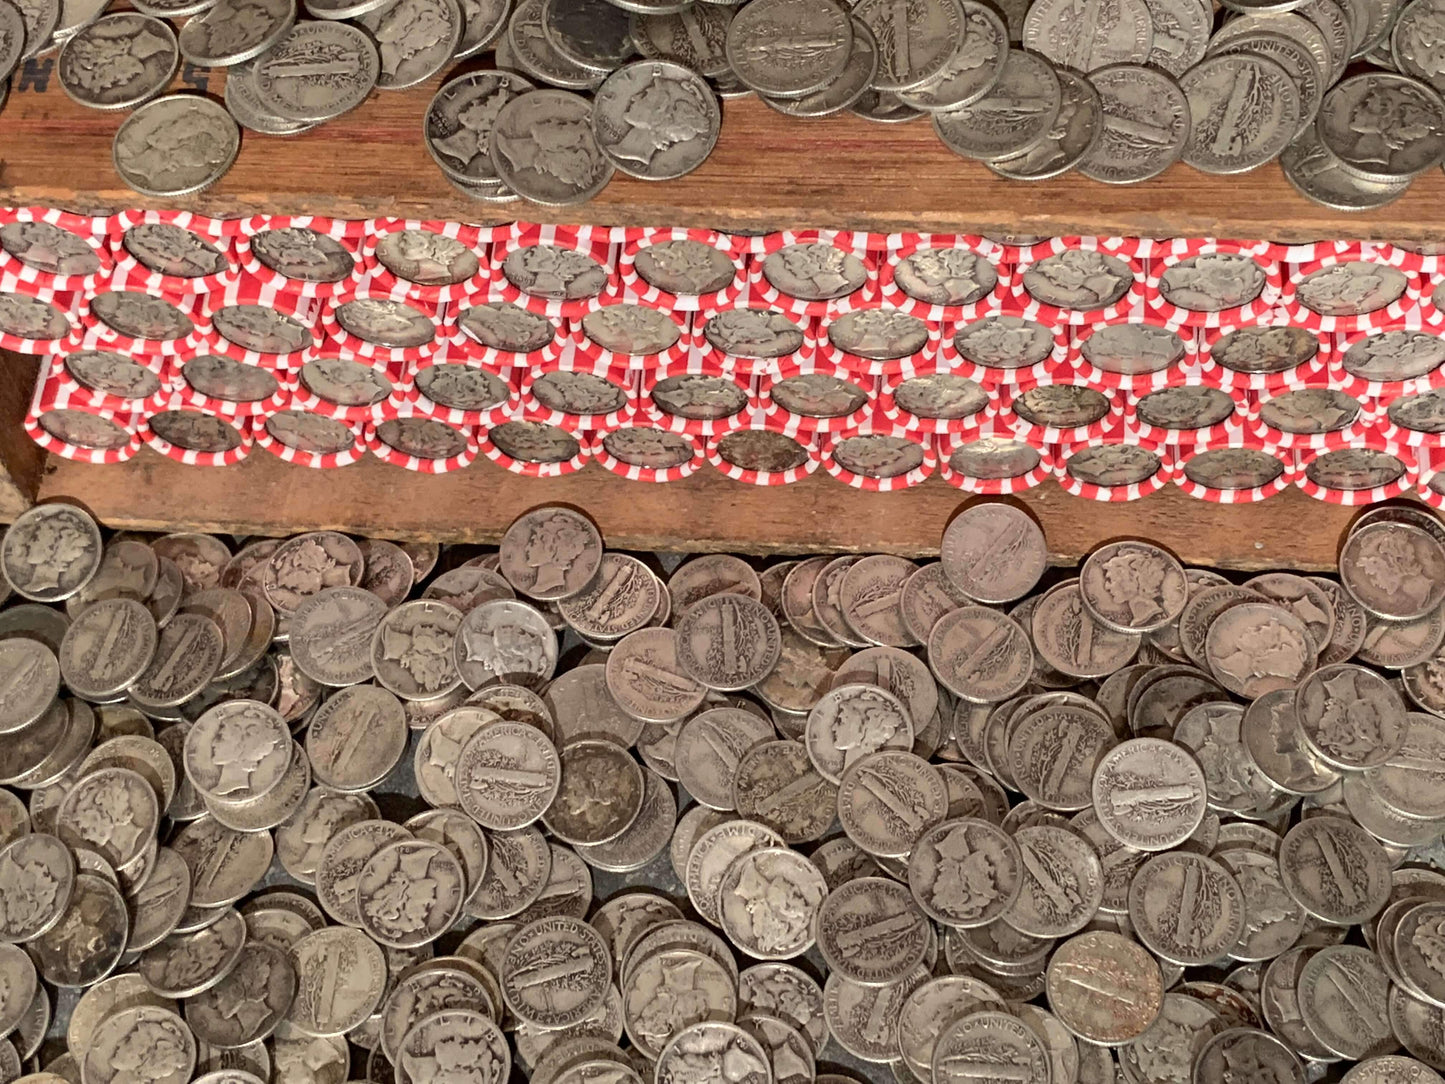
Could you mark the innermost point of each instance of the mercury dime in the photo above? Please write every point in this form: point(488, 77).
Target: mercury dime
point(142, 47)
point(1390, 1067)
point(410, 892)
point(1146, 124)
point(458, 129)
point(50, 552)
point(1017, 113)
point(237, 750)
point(622, 597)
point(1350, 717)
point(232, 33)
point(727, 641)
point(32, 318)
point(289, 86)
point(331, 634)
point(1347, 126)
point(888, 799)
point(1133, 586)
point(1069, 639)
point(38, 874)
point(599, 795)
point(225, 864)
point(1316, 173)
point(1276, 746)
point(1104, 987)
point(535, 169)
point(248, 1003)
point(789, 48)
point(412, 650)
point(656, 120)
point(1391, 356)
point(1334, 869)
point(1226, 139)
point(990, 1042)
point(454, 1036)
point(356, 738)
point(871, 932)
point(1090, 37)
point(939, 872)
point(655, 1009)
point(152, 1037)
point(993, 553)
point(184, 965)
point(851, 721)
point(1394, 570)
point(1061, 886)
point(504, 640)
point(918, 51)
point(415, 39)
point(1253, 648)
point(550, 553)
point(507, 775)
point(341, 974)
point(1342, 998)
point(1185, 908)
point(1248, 1046)
point(175, 145)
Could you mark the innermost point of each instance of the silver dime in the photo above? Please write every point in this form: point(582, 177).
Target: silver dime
point(1222, 137)
point(851, 721)
point(599, 795)
point(458, 126)
point(1247, 1046)
point(728, 641)
point(1386, 98)
point(993, 553)
point(622, 597)
point(165, 1041)
point(331, 634)
point(917, 50)
point(50, 552)
point(536, 170)
point(504, 640)
point(990, 1042)
point(39, 876)
point(231, 33)
point(789, 48)
point(1150, 794)
point(1342, 999)
point(1350, 717)
point(355, 738)
point(888, 799)
point(451, 1036)
point(1146, 124)
point(415, 39)
point(507, 775)
point(1078, 127)
point(1253, 648)
point(1062, 883)
point(550, 553)
point(340, 975)
point(1334, 869)
point(655, 120)
point(939, 872)
point(1069, 639)
point(1133, 586)
point(871, 932)
point(1104, 987)
point(150, 156)
point(1395, 571)
point(144, 47)
point(1277, 749)
point(695, 37)
point(1186, 908)
point(225, 864)
point(1314, 170)
point(289, 86)
point(184, 965)
point(248, 1003)
point(1091, 37)
point(410, 892)
point(1017, 113)
point(412, 650)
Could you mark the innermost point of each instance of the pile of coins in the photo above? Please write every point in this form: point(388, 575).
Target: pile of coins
point(936, 824)
point(1344, 92)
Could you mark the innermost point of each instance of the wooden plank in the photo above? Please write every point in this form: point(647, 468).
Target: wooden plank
point(706, 512)
point(21, 459)
point(767, 172)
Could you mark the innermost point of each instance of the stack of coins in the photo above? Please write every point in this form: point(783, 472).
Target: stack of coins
point(313, 810)
point(1343, 92)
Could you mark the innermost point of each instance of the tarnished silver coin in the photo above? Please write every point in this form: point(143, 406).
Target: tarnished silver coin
point(1253, 648)
point(789, 48)
point(1061, 886)
point(636, 115)
point(288, 86)
point(1137, 100)
point(1133, 586)
point(727, 641)
point(550, 553)
point(1342, 1000)
point(1017, 113)
point(230, 33)
point(1395, 571)
point(1361, 152)
point(50, 552)
point(1069, 639)
point(356, 738)
point(184, 965)
point(331, 633)
point(175, 146)
point(1334, 869)
point(599, 794)
point(940, 878)
point(340, 978)
point(1277, 749)
point(507, 775)
point(1221, 141)
point(1104, 987)
point(1186, 908)
point(1350, 717)
point(144, 48)
point(535, 169)
point(993, 553)
point(157, 1036)
point(1248, 1046)
point(851, 721)
point(870, 931)
point(410, 892)
point(412, 650)
point(237, 750)
point(504, 640)
point(980, 655)
point(39, 877)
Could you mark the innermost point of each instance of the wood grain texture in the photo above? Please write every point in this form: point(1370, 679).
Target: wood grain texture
point(706, 512)
point(767, 172)
point(21, 459)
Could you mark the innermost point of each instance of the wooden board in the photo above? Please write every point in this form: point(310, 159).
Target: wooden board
point(21, 459)
point(768, 172)
point(706, 512)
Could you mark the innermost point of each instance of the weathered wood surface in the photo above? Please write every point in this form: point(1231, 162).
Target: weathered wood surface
point(767, 172)
point(706, 512)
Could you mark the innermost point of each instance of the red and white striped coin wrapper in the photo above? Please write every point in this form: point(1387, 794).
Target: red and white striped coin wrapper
point(393, 403)
point(596, 320)
point(186, 311)
point(697, 366)
point(539, 280)
point(383, 282)
point(1431, 476)
point(812, 380)
point(1313, 369)
point(1346, 418)
point(623, 381)
point(235, 434)
point(182, 392)
point(131, 274)
point(1230, 408)
point(994, 460)
point(153, 377)
point(829, 279)
point(1021, 302)
point(354, 345)
point(20, 277)
point(1432, 298)
point(264, 432)
point(1091, 362)
point(1365, 470)
point(989, 300)
point(885, 323)
point(536, 468)
point(890, 408)
point(248, 293)
point(1410, 258)
point(415, 444)
point(636, 288)
point(704, 348)
point(55, 320)
point(120, 439)
point(423, 406)
point(993, 368)
point(1416, 420)
point(1025, 250)
point(1393, 295)
point(1114, 468)
point(1307, 251)
point(1170, 254)
point(1106, 407)
point(734, 458)
point(345, 232)
point(1231, 468)
point(1414, 360)
point(664, 446)
point(879, 455)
